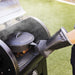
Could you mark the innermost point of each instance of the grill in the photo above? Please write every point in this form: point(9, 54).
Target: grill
point(25, 42)
point(17, 52)
point(24, 46)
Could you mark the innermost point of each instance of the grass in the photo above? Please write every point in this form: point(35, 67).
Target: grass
point(54, 15)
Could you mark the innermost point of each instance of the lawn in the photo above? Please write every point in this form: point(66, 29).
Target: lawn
point(54, 15)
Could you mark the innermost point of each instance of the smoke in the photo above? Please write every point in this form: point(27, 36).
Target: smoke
point(30, 25)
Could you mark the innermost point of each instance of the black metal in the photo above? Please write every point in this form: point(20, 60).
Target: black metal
point(8, 63)
point(32, 61)
point(28, 62)
point(41, 68)
point(38, 65)
point(20, 41)
point(59, 40)
point(31, 25)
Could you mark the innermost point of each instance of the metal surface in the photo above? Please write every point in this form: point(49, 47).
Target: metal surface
point(28, 61)
point(41, 69)
point(31, 25)
point(10, 9)
point(57, 41)
point(20, 41)
point(8, 63)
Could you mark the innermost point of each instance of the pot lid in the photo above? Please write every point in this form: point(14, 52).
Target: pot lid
point(21, 39)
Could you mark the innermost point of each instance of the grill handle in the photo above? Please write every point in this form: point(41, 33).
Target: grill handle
point(57, 41)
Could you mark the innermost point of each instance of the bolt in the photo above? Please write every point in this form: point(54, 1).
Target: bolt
point(9, 70)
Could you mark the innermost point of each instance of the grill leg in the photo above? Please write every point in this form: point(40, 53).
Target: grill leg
point(42, 67)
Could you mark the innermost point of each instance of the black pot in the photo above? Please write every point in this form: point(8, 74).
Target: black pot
point(20, 41)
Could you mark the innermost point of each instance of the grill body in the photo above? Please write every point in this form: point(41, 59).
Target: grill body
point(32, 61)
